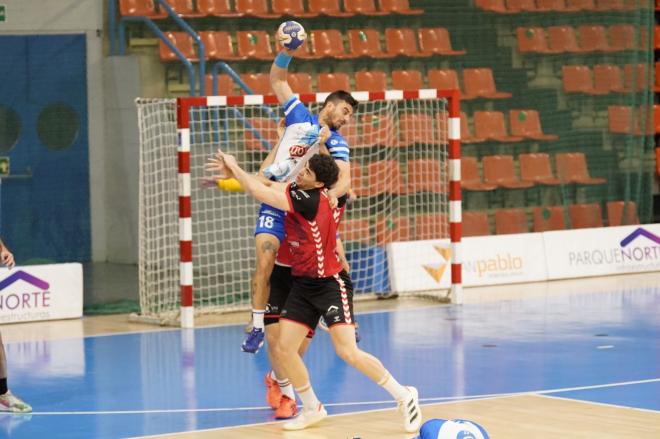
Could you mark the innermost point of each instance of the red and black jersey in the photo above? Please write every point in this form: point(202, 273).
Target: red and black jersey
point(311, 233)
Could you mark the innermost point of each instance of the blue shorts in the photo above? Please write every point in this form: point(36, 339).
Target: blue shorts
point(270, 220)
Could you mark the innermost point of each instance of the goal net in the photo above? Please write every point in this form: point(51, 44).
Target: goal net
point(197, 244)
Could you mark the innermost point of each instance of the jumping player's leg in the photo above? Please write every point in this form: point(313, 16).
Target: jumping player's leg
point(9, 402)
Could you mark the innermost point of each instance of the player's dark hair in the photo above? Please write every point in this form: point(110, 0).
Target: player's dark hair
point(325, 169)
point(341, 95)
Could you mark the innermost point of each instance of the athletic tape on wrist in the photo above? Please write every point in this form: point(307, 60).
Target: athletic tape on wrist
point(282, 60)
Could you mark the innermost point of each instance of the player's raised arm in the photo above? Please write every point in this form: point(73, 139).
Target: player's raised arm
point(291, 35)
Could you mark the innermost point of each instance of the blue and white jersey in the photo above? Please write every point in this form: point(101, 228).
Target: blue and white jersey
point(300, 142)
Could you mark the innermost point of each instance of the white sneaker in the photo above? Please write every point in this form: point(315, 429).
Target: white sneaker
point(10, 403)
point(412, 413)
point(307, 418)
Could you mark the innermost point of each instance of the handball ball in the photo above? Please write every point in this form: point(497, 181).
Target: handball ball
point(291, 34)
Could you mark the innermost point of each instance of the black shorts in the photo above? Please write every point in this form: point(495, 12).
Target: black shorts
point(281, 282)
point(311, 298)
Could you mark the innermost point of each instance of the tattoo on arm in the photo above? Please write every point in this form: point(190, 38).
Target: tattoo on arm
point(269, 247)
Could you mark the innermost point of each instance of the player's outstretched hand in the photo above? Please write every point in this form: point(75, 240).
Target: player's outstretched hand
point(209, 182)
point(7, 258)
point(220, 165)
point(324, 134)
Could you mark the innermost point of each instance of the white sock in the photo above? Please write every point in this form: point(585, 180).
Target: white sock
point(393, 387)
point(287, 388)
point(272, 375)
point(308, 397)
point(258, 318)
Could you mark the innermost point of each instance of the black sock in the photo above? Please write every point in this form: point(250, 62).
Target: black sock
point(3, 386)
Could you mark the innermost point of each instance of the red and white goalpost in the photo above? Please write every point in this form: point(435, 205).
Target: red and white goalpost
point(196, 244)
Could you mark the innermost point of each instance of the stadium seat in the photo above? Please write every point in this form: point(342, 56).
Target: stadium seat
point(585, 215)
point(593, 38)
point(217, 8)
point(577, 79)
point(399, 7)
point(532, 40)
point(218, 46)
point(329, 82)
point(300, 83)
point(431, 226)
point(551, 5)
point(355, 230)
point(608, 78)
point(500, 170)
point(572, 168)
point(490, 125)
point(656, 37)
point(620, 120)
point(384, 176)
point(515, 6)
point(328, 43)
point(366, 42)
point(492, 6)
point(536, 167)
point(508, 221)
point(443, 80)
point(392, 230)
point(259, 83)
point(610, 5)
point(363, 7)
point(615, 210)
point(327, 7)
point(480, 83)
point(140, 8)
point(183, 42)
point(436, 41)
point(635, 77)
point(580, 5)
point(415, 129)
point(402, 42)
point(357, 179)
point(225, 86)
point(255, 8)
point(470, 177)
point(425, 175)
point(547, 218)
point(407, 80)
point(377, 131)
point(184, 8)
point(255, 44)
point(622, 37)
point(466, 133)
point(291, 8)
point(263, 127)
point(656, 86)
point(475, 224)
point(527, 124)
point(373, 80)
point(562, 39)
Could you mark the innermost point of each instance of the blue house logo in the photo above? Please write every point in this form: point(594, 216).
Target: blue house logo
point(636, 234)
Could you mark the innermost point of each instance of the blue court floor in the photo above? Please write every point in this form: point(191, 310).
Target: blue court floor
point(600, 346)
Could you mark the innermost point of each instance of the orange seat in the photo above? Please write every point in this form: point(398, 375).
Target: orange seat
point(480, 83)
point(373, 80)
point(466, 133)
point(656, 37)
point(490, 125)
point(532, 40)
point(416, 128)
point(399, 7)
point(551, 5)
point(527, 123)
point(377, 130)
point(492, 6)
point(255, 44)
point(392, 230)
point(475, 224)
point(635, 77)
point(620, 119)
point(225, 86)
point(572, 168)
point(443, 79)
point(291, 8)
point(181, 41)
point(536, 167)
point(577, 79)
point(327, 7)
point(509, 221)
point(607, 79)
point(260, 134)
point(585, 215)
point(328, 43)
point(140, 8)
point(384, 176)
point(425, 175)
point(329, 82)
point(184, 8)
point(218, 46)
point(622, 37)
point(217, 8)
point(300, 82)
point(255, 8)
point(470, 177)
point(580, 5)
point(366, 42)
point(431, 226)
point(355, 230)
point(500, 170)
point(259, 83)
point(402, 42)
point(548, 218)
point(363, 7)
point(407, 80)
point(610, 5)
point(593, 38)
point(615, 213)
point(515, 6)
point(562, 39)
point(436, 41)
